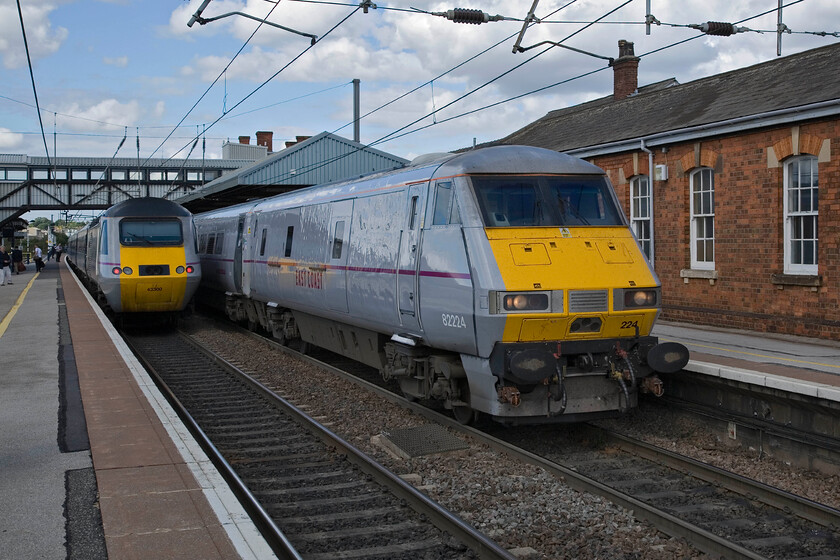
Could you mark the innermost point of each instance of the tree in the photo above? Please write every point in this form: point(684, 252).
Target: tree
point(40, 223)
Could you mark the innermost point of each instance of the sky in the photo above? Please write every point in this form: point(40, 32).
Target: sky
point(113, 69)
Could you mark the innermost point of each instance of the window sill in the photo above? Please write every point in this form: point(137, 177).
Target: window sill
point(812, 281)
point(688, 273)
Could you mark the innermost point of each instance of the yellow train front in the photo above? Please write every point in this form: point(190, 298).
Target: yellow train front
point(139, 257)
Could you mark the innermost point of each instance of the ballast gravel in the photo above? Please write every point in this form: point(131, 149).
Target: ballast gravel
point(522, 507)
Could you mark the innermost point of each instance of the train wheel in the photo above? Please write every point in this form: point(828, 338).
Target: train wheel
point(465, 414)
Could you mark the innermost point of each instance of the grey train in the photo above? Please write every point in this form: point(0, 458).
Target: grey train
point(139, 257)
point(503, 281)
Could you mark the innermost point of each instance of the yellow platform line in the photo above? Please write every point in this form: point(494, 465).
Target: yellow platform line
point(13, 311)
point(759, 355)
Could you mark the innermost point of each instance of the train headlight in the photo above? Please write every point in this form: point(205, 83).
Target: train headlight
point(127, 270)
point(526, 302)
point(636, 298)
point(116, 271)
point(179, 270)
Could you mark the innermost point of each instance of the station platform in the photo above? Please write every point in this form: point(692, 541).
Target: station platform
point(794, 364)
point(95, 462)
point(97, 465)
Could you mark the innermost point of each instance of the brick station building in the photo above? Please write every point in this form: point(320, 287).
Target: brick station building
point(731, 183)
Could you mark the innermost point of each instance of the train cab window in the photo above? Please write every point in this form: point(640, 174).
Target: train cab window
point(262, 242)
point(144, 232)
point(446, 206)
point(338, 240)
point(546, 201)
point(290, 233)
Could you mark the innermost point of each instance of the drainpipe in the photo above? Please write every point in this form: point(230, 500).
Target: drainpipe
point(650, 183)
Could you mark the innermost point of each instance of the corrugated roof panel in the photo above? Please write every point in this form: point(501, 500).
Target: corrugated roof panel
point(320, 159)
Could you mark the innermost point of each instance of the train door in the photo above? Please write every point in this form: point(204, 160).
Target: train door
point(335, 280)
point(237, 254)
point(250, 227)
point(408, 262)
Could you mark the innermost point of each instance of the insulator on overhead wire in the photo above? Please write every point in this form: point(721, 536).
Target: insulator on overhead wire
point(719, 28)
point(467, 15)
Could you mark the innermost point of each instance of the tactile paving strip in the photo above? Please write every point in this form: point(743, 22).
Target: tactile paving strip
point(424, 440)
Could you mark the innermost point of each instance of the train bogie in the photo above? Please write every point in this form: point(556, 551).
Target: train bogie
point(504, 280)
point(140, 256)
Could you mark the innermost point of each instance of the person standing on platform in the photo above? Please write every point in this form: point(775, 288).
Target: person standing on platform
point(58, 250)
point(39, 259)
point(50, 252)
point(17, 260)
point(5, 266)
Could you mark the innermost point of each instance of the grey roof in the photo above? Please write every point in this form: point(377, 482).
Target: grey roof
point(807, 79)
point(320, 159)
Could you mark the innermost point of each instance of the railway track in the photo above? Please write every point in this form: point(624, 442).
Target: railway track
point(719, 512)
point(311, 493)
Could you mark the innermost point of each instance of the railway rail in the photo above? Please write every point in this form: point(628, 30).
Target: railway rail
point(719, 512)
point(312, 494)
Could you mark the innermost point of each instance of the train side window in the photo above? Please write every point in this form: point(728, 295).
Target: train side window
point(443, 200)
point(290, 232)
point(202, 243)
point(413, 213)
point(220, 242)
point(211, 243)
point(262, 242)
point(104, 250)
point(338, 240)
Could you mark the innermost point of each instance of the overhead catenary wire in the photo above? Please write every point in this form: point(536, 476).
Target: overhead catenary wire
point(32, 77)
point(543, 20)
point(224, 70)
point(393, 134)
point(401, 132)
point(284, 67)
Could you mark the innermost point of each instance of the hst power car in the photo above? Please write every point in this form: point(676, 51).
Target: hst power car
point(139, 256)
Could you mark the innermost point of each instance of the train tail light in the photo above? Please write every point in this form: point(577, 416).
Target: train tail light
point(190, 269)
point(116, 271)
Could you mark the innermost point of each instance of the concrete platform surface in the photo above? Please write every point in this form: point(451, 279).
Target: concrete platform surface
point(88, 432)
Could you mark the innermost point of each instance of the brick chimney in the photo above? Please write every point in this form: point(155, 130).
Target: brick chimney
point(244, 139)
point(625, 71)
point(265, 138)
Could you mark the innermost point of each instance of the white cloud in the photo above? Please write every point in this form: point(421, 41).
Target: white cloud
point(101, 115)
point(42, 38)
point(9, 140)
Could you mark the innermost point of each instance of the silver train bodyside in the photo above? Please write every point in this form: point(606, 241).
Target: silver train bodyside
point(402, 271)
point(139, 256)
